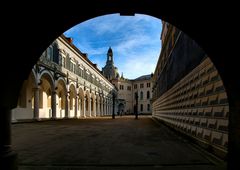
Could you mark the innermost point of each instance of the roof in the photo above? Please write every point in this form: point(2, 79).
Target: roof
point(144, 77)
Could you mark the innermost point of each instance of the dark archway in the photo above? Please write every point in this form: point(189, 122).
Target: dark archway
point(211, 28)
point(120, 109)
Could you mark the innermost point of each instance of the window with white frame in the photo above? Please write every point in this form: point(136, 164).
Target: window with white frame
point(72, 66)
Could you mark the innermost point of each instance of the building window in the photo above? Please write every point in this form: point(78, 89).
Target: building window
point(50, 53)
point(64, 62)
point(141, 85)
point(74, 68)
point(135, 86)
point(148, 84)
point(129, 88)
point(90, 78)
point(121, 87)
point(141, 95)
point(60, 60)
point(141, 108)
point(148, 94)
point(148, 107)
point(80, 72)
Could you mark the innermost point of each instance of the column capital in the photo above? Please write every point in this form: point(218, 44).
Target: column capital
point(54, 92)
point(36, 87)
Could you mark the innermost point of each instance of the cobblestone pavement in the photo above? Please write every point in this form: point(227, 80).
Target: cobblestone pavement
point(103, 143)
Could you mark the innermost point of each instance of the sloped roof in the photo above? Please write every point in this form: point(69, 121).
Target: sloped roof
point(144, 77)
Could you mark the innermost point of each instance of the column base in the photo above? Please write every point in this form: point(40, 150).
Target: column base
point(37, 119)
point(9, 161)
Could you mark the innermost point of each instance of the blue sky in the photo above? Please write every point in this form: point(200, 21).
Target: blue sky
point(135, 41)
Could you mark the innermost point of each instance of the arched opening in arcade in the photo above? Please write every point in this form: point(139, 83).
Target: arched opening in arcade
point(194, 103)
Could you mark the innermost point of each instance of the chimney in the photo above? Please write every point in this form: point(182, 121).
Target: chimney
point(85, 55)
point(70, 40)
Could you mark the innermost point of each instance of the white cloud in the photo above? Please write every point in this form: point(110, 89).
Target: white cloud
point(115, 23)
point(86, 48)
point(135, 41)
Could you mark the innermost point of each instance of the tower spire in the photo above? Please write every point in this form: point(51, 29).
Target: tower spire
point(110, 56)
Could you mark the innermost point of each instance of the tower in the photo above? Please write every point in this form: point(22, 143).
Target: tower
point(109, 70)
point(110, 56)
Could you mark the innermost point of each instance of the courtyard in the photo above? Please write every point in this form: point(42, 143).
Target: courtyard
point(104, 143)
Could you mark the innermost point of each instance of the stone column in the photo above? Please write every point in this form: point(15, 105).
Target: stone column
point(95, 108)
point(106, 107)
point(84, 107)
point(54, 106)
point(36, 104)
point(79, 106)
point(100, 108)
point(66, 105)
point(90, 107)
point(8, 158)
point(76, 106)
point(103, 108)
point(113, 106)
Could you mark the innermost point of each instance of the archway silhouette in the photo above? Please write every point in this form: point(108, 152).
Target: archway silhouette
point(204, 29)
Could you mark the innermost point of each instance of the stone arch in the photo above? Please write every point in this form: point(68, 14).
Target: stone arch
point(81, 101)
point(120, 109)
point(45, 95)
point(61, 94)
point(25, 105)
point(93, 104)
point(35, 77)
point(210, 41)
point(63, 81)
point(97, 105)
point(87, 103)
point(72, 99)
point(47, 74)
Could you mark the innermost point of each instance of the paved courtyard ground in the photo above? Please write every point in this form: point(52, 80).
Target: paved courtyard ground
point(103, 143)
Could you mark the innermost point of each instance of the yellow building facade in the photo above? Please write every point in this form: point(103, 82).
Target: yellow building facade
point(64, 84)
